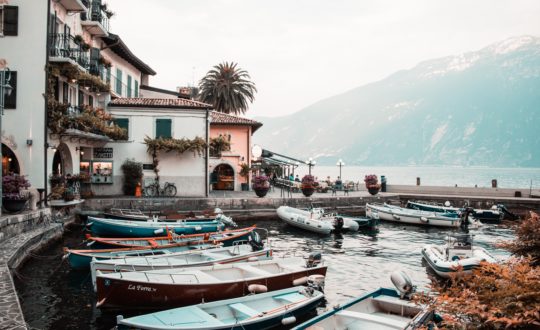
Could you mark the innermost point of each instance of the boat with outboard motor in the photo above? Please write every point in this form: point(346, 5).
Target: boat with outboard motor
point(253, 250)
point(380, 309)
point(410, 216)
point(496, 214)
point(128, 228)
point(315, 220)
point(458, 254)
point(260, 311)
point(138, 215)
point(167, 288)
point(226, 237)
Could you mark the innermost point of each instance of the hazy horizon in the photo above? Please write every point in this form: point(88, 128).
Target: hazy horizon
point(298, 53)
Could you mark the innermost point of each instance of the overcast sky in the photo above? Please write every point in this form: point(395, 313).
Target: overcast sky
point(301, 51)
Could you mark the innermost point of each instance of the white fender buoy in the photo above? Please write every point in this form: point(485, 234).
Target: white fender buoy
point(424, 219)
point(288, 320)
point(158, 231)
point(300, 281)
point(257, 288)
point(395, 216)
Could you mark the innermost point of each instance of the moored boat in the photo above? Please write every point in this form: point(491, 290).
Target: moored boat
point(316, 220)
point(138, 215)
point(496, 214)
point(458, 254)
point(178, 287)
point(380, 309)
point(226, 237)
point(127, 228)
point(410, 216)
point(260, 311)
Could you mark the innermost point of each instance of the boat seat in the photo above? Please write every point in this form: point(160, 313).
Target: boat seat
point(289, 297)
point(391, 323)
point(244, 309)
point(253, 270)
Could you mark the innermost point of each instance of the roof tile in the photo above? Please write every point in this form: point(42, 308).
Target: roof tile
point(226, 119)
point(159, 103)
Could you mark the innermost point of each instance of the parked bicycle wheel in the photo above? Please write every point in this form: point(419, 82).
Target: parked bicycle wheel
point(150, 191)
point(170, 190)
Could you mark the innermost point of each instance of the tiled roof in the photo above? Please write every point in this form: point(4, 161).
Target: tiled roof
point(220, 118)
point(115, 43)
point(158, 103)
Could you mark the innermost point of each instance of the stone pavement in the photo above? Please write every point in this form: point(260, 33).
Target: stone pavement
point(12, 252)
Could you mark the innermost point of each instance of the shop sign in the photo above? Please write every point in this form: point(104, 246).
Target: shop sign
point(103, 153)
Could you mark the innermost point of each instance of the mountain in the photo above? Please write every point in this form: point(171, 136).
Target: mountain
point(480, 108)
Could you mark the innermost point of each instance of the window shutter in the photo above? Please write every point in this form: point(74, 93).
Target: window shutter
point(128, 86)
point(10, 102)
point(163, 128)
point(122, 123)
point(119, 82)
point(136, 88)
point(90, 100)
point(81, 98)
point(65, 93)
point(11, 20)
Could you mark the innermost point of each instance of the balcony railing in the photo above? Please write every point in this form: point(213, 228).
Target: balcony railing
point(64, 46)
point(95, 13)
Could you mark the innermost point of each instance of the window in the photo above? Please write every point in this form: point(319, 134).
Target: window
point(136, 88)
point(9, 20)
point(108, 75)
point(119, 82)
point(163, 128)
point(123, 123)
point(65, 92)
point(128, 86)
point(10, 102)
point(81, 99)
point(90, 100)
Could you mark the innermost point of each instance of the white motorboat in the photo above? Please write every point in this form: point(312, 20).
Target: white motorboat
point(417, 217)
point(457, 254)
point(316, 220)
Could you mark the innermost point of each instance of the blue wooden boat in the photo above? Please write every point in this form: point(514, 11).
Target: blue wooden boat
point(380, 309)
point(80, 259)
point(126, 228)
point(260, 311)
point(494, 215)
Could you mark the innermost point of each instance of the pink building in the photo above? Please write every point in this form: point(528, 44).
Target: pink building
point(225, 168)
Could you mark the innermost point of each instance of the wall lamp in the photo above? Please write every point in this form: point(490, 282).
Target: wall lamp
point(50, 146)
point(79, 149)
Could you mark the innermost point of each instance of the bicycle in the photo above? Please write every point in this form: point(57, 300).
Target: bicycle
point(153, 189)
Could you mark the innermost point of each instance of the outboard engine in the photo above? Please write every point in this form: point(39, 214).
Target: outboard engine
point(403, 284)
point(255, 241)
point(464, 224)
point(338, 223)
point(506, 213)
point(313, 259)
point(315, 282)
point(228, 221)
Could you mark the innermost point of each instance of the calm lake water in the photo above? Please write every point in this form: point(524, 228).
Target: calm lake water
point(55, 297)
point(435, 176)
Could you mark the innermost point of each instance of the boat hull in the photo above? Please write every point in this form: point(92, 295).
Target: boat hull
point(122, 228)
point(436, 260)
point(129, 294)
point(296, 218)
point(396, 214)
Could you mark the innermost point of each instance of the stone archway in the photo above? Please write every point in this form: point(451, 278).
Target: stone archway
point(62, 161)
point(224, 174)
point(10, 162)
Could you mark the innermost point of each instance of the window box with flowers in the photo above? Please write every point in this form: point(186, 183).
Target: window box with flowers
point(308, 185)
point(13, 199)
point(372, 184)
point(261, 185)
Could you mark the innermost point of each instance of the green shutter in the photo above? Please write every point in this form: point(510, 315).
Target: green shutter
point(136, 88)
point(11, 21)
point(163, 128)
point(119, 82)
point(122, 123)
point(128, 86)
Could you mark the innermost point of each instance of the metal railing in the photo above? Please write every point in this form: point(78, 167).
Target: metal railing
point(96, 13)
point(64, 45)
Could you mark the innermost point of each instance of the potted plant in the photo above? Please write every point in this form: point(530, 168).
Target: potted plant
point(261, 185)
point(308, 185)
point(69, 194)
point(12, 198)
point(372, 184)
point(244, 172)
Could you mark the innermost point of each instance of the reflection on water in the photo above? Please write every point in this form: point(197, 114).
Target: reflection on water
point(55, 297)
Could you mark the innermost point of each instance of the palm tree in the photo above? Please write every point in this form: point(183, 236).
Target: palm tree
point(227, 88)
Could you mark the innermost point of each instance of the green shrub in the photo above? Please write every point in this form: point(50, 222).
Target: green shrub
point(133, 173)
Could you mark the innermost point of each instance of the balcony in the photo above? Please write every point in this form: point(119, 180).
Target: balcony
point(73, 5)
point(95, 20)
point(63, 48)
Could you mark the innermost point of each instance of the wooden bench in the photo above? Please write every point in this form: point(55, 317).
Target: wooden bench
point(244, 309)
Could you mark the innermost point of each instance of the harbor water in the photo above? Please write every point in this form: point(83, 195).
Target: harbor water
point(55, 297)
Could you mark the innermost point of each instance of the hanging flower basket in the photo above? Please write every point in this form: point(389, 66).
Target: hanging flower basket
point(308, 185)
point(261, 185)
point(372, 184)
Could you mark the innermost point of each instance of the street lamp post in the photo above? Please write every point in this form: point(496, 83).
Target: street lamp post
point(310, 162)
point(340, 163)
point(5, 90)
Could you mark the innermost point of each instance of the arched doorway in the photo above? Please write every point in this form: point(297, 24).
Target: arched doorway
point(224, 175)
point(62, 163)
point(10, 163)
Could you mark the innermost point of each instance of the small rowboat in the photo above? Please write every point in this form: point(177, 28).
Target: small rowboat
point(127, 228)
point(226, 237)
point(458, 254)
point(167, 288)
point(316, 220)
point(381, 309)
point(496, 214)
point(190, 258)
point(260, 311)
point(138, 215)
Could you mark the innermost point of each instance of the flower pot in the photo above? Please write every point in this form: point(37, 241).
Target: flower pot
point(261, 192)
point(13, 205)
point(245, 186)
point(374, 190)
point(308, 191)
